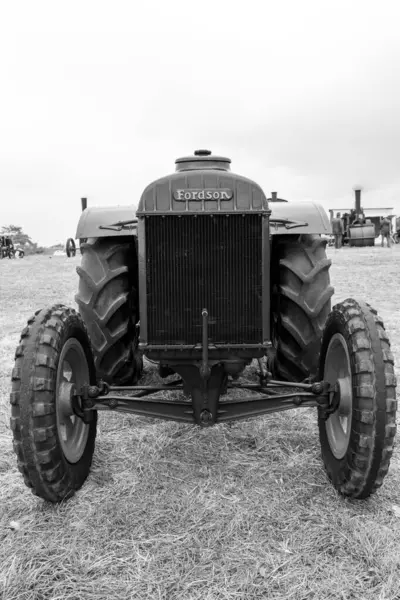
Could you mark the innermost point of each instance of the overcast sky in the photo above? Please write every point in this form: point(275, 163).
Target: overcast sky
point(98, 99)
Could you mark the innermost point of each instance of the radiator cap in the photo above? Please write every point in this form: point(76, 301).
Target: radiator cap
point(202, 159)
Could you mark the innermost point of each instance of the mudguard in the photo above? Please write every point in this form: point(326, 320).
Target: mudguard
point(288, 218)
point(100, 221)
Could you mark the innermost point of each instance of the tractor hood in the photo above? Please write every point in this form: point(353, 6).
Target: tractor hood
point(202, 183)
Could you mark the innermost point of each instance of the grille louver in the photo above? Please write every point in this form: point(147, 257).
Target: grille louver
point(211, 262)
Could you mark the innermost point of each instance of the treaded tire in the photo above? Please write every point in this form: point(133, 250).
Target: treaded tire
point(108, 302)
point(360, 472)
point(301, 302)
point(34, 406)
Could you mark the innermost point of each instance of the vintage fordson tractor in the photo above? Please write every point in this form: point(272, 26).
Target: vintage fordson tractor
point(204, 280)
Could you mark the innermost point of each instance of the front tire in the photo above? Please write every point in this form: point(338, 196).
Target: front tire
point(301, 302)
point(357, 439)
point(54, 446)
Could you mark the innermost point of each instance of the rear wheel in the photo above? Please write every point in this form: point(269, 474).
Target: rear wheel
point(70, 247)
point(357, 439)
point(53, 445)
point(108, 302)
point(301, 302)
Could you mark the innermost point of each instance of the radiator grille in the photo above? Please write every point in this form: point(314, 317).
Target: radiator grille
point(204, 262)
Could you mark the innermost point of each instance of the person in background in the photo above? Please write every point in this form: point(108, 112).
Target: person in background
point(385, 231)
point(338, 230)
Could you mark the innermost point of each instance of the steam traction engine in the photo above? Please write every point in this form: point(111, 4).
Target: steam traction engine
point(203, 280)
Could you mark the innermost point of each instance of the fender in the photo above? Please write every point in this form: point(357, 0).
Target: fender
point(93, 221)
point(298, 217)
point(310, 217)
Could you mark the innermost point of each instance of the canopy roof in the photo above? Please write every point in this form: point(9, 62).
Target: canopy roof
point(382, 211)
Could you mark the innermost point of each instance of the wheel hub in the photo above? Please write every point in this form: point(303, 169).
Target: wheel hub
point(340, 396)
point(66, 392)
point(338, 373)
point(72, 374)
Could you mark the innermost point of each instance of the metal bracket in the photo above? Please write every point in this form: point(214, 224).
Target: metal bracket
point(205, 370)
point(288, 223)
point(328, 400)
point(263, 374)
point(120, 225)
point(85, 415)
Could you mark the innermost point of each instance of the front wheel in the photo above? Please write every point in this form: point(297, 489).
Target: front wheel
point(357, 438)
point(53, 445)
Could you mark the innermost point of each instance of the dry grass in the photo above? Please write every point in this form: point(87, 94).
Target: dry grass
point(171, 511)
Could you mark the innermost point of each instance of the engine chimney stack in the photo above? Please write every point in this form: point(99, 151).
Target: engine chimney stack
point(358, 200)
point(84, 203)
point(274, 196)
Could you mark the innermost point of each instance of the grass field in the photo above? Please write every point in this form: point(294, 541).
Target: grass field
point(171, 511)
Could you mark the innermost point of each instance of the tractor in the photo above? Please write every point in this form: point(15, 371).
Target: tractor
point(206, 279)
point(8, 250)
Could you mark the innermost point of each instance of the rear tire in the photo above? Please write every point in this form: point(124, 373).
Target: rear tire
point(108, 302)
point(357, 439)
point(301, 302)
point(54, 447)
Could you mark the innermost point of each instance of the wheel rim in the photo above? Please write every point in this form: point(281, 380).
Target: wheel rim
point(72, 373)
point(337, 371)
